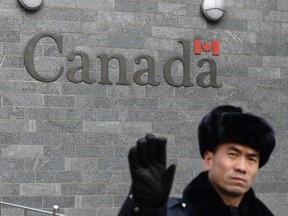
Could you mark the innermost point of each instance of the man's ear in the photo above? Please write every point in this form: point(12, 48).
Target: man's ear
point(208, 156)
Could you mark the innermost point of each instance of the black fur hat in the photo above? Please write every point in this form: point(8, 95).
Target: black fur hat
point(229, 124)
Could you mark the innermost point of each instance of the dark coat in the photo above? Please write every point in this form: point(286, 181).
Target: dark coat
point(200, 199)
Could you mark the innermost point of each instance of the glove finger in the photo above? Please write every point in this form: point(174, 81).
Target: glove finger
point(169, 177)
point(133, 158)
point(142, 152)
point(161, 151)
point(152, 147)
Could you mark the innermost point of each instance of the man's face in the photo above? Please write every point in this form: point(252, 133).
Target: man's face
point(232, 168)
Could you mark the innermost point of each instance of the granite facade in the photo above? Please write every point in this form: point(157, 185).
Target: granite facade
point(66, 143)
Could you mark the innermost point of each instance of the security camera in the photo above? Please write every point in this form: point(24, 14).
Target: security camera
point(30, 4)
point(213, 10)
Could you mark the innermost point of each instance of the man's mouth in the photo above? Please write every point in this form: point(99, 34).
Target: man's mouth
point(239, 179)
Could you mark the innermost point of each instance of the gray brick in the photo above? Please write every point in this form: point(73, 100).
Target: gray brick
point(52, 26)
point(44, 164)
point(136, 31)
point(11, 164)
point(59, 101)
point(116, 189)
point(23, 100)
point(126, 91)
point(272, 49)
point(9, 190)
point(58, 151)
point(81, 114)
point(275, 61)
point(9, 138)
point(151, 116)
point(17, 177)
point(265, 187)
point(12, 113)
point(40, 88)
point(31, 201)
point(87, 4)
point(9, 87)
point(263, 4)
point(9, 36)
point(282, 5)
point(245, 13)
point(170, 8)
point(136, 103)
point(61, 201)
point(59, 126)
point(112, 164)
point(101, 126)
point(80, 164)
point(40, 138)
point(94, 152)
point(123, 139)
point(104, 212)
point(46, 113)
point(259, 26)
point(16, 125)
point(10, 24)
point(83, 139)
point(96, 28)
point(83, 189)
point(116, 17)
point(264, 72)
point(136, 127)
point(22, 151)
point(15, 74)
point(81, 211)
point(125, 42)
point(119, 200)
point(106, 176)
point(172, 32)
point(250, 60)
point(93, 102)
point(39, 189)
point(61, 13)
point(58, 176)
point(136, 6)
point(276, 16)
point(236, 25)
point(92, 201)
point(74, 89)
point(85, 40)
point(13, 61)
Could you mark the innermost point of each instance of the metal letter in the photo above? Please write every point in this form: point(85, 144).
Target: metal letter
point(85, 68)
point(150, 70)
point(213, 74)
point(29, 56)
point(104, 69)
point(186, 67)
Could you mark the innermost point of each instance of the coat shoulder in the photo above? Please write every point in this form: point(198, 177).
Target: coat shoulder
point(177, 207)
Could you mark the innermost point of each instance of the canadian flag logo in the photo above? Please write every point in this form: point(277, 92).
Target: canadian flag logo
point(200, 46)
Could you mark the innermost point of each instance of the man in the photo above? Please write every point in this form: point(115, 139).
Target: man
point(233, 144)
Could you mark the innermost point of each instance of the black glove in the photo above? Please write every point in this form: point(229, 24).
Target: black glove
point(151, 181)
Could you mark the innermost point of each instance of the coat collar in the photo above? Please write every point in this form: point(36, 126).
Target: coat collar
point(202, 199)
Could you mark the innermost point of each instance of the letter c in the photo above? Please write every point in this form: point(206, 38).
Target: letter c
point(29, 56)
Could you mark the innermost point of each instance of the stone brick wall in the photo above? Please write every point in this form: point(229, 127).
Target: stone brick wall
point(65, 143)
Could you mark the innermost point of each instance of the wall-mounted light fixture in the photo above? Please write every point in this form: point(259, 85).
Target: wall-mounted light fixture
point(31, 4)
point(213, 10)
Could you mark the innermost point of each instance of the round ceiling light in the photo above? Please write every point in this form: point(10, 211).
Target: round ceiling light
point(30, 4)
point(213, 10)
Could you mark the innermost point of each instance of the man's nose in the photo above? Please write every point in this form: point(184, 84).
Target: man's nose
point(241, 165)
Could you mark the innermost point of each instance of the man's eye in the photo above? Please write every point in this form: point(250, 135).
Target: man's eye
point(252, 159)
point(232, 154)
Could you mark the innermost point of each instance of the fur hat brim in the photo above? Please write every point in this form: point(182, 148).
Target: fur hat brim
point(229, 124)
